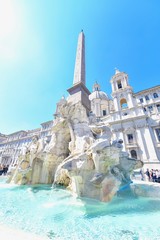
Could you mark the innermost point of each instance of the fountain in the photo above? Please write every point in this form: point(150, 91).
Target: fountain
point(79, 156)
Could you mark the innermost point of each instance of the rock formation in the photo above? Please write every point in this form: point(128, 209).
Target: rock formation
point(79, 156)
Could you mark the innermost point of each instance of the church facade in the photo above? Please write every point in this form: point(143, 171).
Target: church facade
point(132, 117)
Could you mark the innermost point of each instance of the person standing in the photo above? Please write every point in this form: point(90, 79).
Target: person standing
point(148, 175)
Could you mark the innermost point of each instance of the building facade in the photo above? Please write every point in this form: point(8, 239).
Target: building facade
point(11, 145)
point(132, 117)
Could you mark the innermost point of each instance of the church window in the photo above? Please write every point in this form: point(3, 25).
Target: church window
point(134, 154)
point(144, 109)
point(147, 97)
point(141, 100)
point(123, 103)
point(155, 95)
point(158, 133)
point(119, 84)
point(130, 138)
point(104, 113)
point(158, 107)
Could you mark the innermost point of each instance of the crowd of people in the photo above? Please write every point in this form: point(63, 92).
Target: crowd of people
point(3, 169)
point(152, 175)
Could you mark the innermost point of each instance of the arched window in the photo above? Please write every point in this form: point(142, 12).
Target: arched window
point(134, 154)
point(147, 98)
point(104, 113)
point(119, 84)
point(158, 107)
point(123, 103)
point(141, 100)
point(155, 95)
point(130, 138)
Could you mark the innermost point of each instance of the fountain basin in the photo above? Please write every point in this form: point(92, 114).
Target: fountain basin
point(56, 214)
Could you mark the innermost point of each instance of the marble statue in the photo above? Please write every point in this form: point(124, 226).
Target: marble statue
point(80, 155)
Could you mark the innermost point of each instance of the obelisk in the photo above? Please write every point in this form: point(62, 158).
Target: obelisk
point(79, 92)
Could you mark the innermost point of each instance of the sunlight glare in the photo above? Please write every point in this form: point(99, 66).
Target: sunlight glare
point(7, 18)
point(10, 28)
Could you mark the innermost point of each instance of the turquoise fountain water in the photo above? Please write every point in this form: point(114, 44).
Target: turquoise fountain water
point(55, 214)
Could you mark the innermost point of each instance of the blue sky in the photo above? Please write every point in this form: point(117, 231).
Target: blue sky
point(38, 40)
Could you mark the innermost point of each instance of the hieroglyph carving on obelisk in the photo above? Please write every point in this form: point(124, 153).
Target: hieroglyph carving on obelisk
point(79, 70)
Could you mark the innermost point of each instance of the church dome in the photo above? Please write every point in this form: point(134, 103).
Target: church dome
point(98, 95)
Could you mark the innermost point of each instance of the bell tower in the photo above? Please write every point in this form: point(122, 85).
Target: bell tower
point(122, 92)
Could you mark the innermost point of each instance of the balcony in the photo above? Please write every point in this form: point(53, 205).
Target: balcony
point(131, 144)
